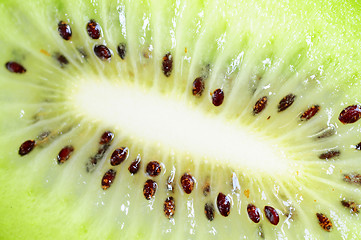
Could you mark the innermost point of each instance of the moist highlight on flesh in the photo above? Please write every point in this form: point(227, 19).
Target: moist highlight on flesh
point(180, 120)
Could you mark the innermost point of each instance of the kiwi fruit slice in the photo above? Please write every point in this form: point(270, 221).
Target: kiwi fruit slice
point(180, 119)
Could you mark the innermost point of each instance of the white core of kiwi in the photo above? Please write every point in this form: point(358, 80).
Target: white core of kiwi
point(150, 117)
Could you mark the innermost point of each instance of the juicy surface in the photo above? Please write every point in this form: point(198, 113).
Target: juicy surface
point(250, 49)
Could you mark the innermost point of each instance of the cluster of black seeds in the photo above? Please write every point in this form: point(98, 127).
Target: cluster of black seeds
point(118, 156)
point(94, 31)
point(153, 169)
point(187, 181)
point(348, 115)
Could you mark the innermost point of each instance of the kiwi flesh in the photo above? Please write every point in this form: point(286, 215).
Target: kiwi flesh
point(180, 119)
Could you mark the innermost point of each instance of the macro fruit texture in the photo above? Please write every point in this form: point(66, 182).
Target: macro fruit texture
point(184, 119)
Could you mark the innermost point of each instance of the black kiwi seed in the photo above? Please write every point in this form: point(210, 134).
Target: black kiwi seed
point(108, 179)
point(169, 207)
point(253, 213)
point(26, 147)
point(310, 113)
point(209, 211)
point(93, 29)
point(107, 137)
point(134, 166)
point(187, 182)
point(350, 114)
point(153, 168)
point(15, 67)
point(329, 154)
point(286, 102)
point(198, 86)
point(149, 189)
point(121, 50)
point(223, 204)
point(64, 30)
point(102, 52)
point(324, 221)
point(167, 64)
point(217, 97)
point(65, 154)
point(271, 215)
point(260, 105)
point(118, 156)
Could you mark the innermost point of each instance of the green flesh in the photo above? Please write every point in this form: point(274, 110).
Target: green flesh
point(253, 48)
